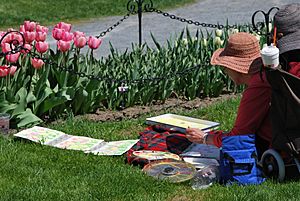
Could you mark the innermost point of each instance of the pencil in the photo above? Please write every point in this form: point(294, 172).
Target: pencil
point(274, 36)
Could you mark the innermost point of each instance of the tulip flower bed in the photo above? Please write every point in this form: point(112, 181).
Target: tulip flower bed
point(39, 82)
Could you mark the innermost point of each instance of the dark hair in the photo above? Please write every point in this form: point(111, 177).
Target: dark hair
point(287, 57)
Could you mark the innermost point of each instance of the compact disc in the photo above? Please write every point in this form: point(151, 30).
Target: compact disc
point(172, 171)
point(155, 155)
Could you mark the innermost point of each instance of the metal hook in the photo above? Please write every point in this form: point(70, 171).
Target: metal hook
point(15, 45)
point(267, 20)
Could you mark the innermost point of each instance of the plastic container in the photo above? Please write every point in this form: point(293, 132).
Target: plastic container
point(4, 123)
point(205, 177)
point(270, 56)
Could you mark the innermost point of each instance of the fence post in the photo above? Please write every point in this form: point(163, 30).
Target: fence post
point(142, 5)
point(140, 11)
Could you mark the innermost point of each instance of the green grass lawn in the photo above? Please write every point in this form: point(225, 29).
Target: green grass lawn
point(30, 171)
point(13, 13)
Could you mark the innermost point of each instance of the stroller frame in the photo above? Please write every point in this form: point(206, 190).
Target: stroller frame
point(285, 119)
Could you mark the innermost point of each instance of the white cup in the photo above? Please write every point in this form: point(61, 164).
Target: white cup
point(270, 56)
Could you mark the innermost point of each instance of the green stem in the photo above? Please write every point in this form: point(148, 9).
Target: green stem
point(91, 62)
point(67, 73)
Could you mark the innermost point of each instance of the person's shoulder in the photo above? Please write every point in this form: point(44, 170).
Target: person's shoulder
point(259, 79)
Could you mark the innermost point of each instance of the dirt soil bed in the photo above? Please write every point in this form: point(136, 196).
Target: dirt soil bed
point(171, 104)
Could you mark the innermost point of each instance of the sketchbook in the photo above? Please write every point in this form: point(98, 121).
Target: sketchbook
point(201, 151)
point(62, 140)
point(180, 123)
point(113, 147)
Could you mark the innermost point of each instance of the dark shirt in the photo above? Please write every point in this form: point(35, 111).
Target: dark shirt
point(253, 112)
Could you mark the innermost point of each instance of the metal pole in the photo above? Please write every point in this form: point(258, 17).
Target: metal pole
point(268, 34)
point(140, 11)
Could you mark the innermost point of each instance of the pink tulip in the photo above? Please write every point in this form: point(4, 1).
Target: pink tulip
point(63, 45)
point(12, 70)
point(78, 33)
point(40, 36)
point(80, 41)
point(29, 26)
point(2, 33)
point(94, 42)
point(57, 33)
point(64, 26)
point(37, 63)
point(13, 38)
point(67, 36)
point(22, 28)
point(13, 58)
point(3, 71)
point(41, 47)
point(27, 49)
point(16, 38)
point(6, 47)
point(40, 28)
point(7, 38)
point(29, 36)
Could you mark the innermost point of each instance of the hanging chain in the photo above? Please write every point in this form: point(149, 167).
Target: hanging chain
point(202, 24)
point(111, 28)
point(182, 73)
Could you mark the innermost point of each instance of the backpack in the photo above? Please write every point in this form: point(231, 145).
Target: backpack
point(238, 161)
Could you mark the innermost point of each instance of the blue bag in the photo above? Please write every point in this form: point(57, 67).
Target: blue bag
point(238, 161)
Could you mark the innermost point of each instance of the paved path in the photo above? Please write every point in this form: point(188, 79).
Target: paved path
point(163, 28)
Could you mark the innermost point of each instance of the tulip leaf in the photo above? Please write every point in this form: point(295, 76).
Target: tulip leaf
point(27, 118)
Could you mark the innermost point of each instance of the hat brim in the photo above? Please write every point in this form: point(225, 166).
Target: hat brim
point(289, 42)
point(241, 65)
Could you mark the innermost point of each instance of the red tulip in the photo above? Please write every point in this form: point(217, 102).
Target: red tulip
point(12, 58)
point(63, 45)
point(3, 71)
point(80, 41)
point(94, 42)
point(41, 47)
point(37, 63)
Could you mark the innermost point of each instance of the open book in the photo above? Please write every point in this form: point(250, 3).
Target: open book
point(180, 123)
point(61, 140)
